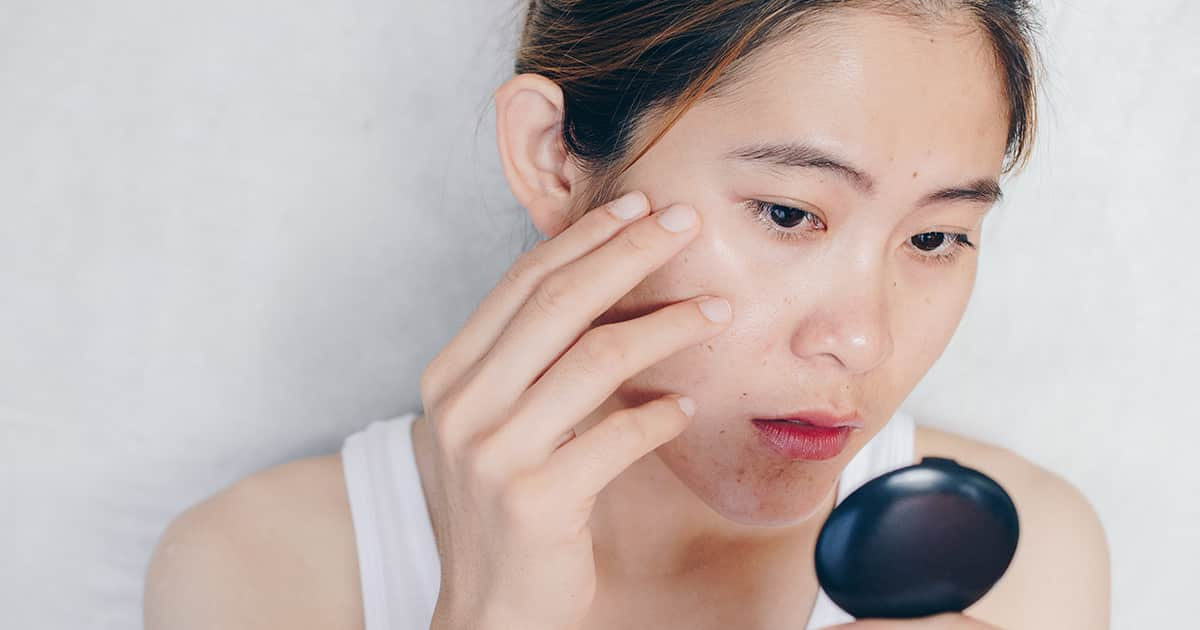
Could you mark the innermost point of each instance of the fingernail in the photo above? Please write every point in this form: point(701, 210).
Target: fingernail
point(716, 309)
point(677, 218)
point(628, 206)
point(687, 405)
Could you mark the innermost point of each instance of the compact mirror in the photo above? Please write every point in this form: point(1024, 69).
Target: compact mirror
point(921, 540)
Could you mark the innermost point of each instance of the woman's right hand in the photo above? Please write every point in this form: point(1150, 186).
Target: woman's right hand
point(516, 487)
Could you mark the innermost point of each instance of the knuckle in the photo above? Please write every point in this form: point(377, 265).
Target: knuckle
point(603, 346)
point(526, 268)
point(448, 413)
point(429, 383)
point(629, 430)
point(637, 240)
point(448, 439)
point(517, 499)
point(482, 462)
point(551, 296)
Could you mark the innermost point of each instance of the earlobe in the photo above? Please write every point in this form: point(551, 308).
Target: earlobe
point(529, 110)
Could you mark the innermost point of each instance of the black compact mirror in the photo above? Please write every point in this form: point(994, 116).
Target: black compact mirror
point(921, 540)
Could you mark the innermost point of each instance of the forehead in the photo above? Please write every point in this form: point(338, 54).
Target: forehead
point(892, 94)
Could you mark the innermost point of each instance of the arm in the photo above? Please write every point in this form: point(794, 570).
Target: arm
point(1066, 582)
point(1059, 578)
point(271, 551)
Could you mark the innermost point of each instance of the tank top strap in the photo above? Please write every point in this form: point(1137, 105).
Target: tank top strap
point(399, 568)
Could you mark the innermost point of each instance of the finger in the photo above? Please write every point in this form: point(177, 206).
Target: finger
point(567, 303)
point(497, 308)
point(567, 437)
point(588, 463)
point(596, 366)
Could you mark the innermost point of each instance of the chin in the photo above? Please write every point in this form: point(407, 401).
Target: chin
point(772, 510)
point(751, 491)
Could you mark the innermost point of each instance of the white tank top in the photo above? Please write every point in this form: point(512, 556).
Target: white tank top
point(399, 568)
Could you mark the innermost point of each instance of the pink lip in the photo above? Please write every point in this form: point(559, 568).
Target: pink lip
point(798, 441)
point(820, 419)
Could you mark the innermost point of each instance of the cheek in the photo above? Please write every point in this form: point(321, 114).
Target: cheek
point(929, 309)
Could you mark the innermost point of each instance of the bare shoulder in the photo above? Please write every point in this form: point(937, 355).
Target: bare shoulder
point(275, 549)
point(1060, 575)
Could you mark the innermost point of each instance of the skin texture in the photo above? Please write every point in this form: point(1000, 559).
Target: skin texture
point(711, 530)
point(848, 319)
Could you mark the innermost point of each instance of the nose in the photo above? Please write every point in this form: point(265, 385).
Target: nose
point(848, 323)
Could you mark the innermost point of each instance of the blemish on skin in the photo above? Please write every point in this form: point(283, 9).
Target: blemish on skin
point(743, 394)
point(914, 174)
point(709, 346)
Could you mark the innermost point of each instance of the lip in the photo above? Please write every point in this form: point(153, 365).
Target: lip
point(820, 418)
point(797, 441)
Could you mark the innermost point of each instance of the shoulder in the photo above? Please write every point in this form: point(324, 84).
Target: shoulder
point(1060, 575)
point(275, 549)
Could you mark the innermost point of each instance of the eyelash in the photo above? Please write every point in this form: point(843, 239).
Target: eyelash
point(759, 212)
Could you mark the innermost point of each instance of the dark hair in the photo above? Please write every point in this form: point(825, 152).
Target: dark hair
point(624, 63)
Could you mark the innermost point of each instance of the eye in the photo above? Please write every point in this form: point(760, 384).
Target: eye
point(781, 222)
point(773, 216)
point(940, 247)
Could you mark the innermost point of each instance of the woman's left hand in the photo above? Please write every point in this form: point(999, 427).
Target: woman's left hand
point(944, 621)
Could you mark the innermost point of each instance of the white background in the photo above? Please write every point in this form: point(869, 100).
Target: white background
point(232, 233)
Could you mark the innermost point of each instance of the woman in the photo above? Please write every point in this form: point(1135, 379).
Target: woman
point(755, 211)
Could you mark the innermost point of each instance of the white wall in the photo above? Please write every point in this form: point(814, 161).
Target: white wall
point(232, 233)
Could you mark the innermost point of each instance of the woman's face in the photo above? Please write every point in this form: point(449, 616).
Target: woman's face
point(839, 304)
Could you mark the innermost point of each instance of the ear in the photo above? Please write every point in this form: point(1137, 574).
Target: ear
point(529, 112)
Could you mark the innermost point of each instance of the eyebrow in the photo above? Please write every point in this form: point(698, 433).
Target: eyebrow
point(984, 191)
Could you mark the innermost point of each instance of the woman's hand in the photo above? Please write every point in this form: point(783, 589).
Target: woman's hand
point(516, 487)
point(944, 621)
